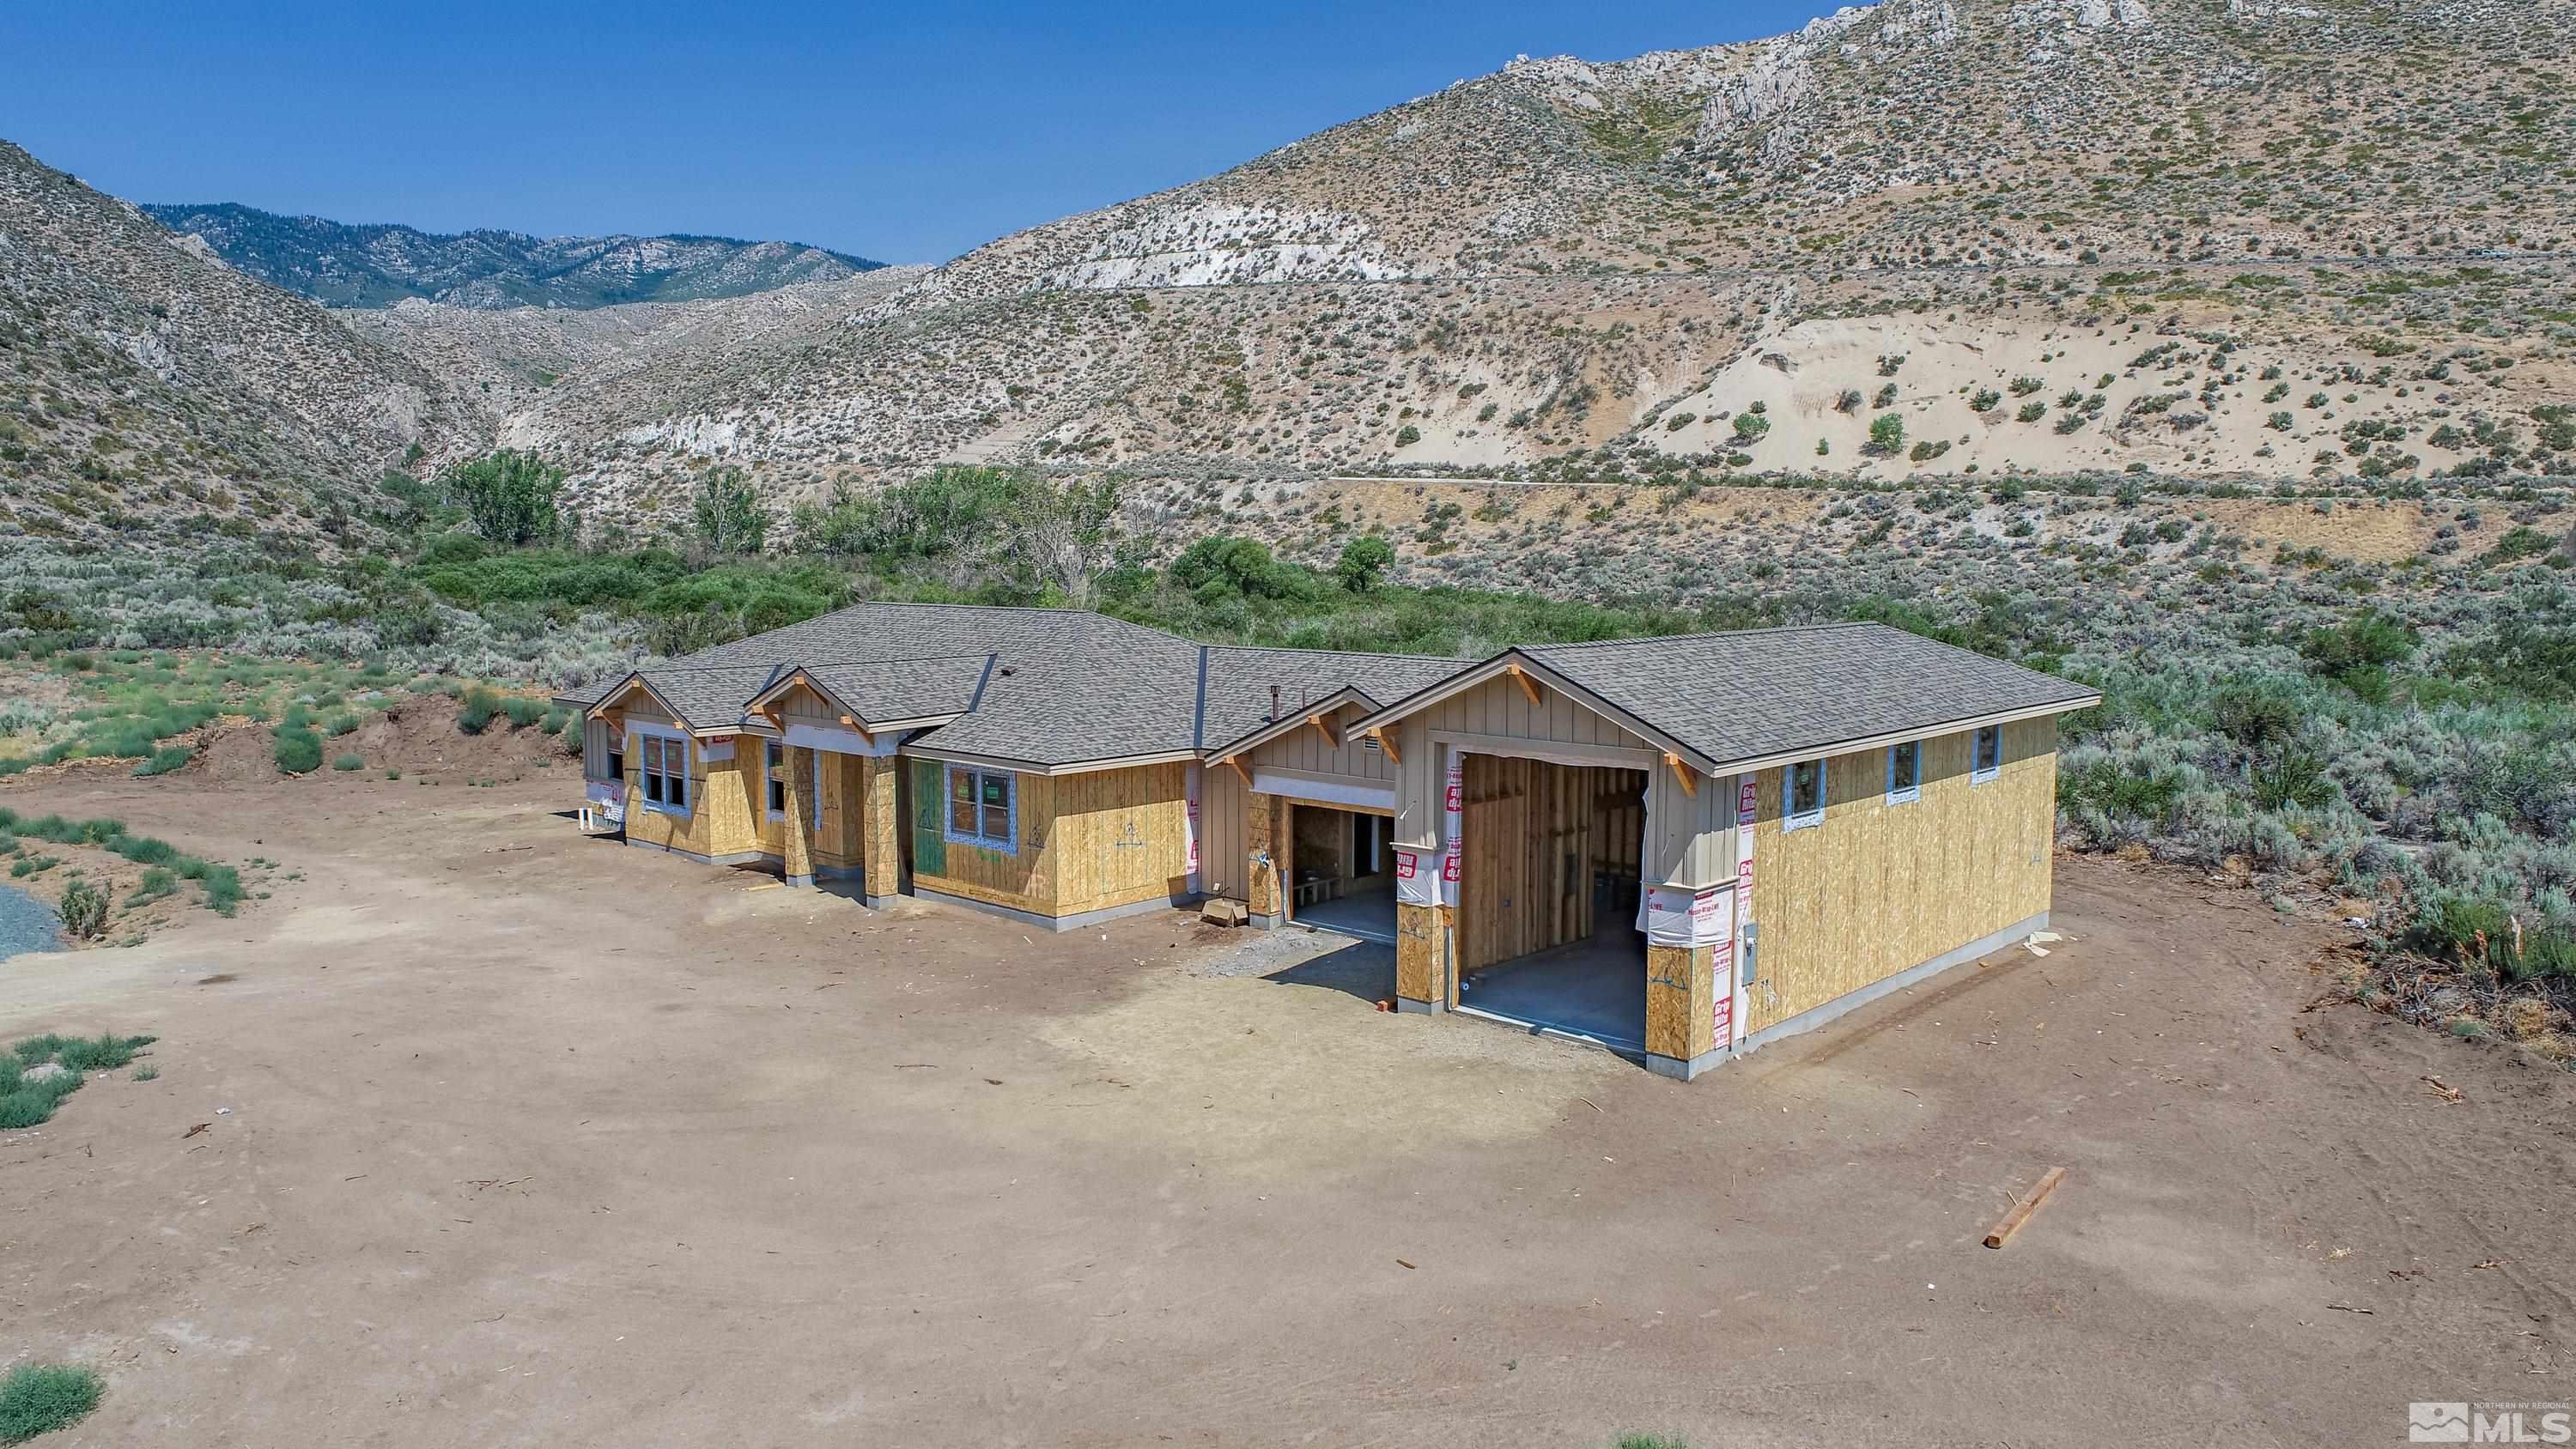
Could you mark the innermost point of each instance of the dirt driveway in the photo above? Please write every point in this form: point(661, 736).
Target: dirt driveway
point(538, 1141)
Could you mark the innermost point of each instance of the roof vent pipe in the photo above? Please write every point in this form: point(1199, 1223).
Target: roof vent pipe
point(1274, 703)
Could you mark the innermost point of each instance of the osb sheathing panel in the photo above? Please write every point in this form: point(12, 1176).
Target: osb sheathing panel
point(1263, 851)
point(880, 824)
point(1879, 888)
point(837, 820)
point(1119, 837)
point(796, 853)
point(1087, 842)
point(1421, 934)
point(1024, 879)
point(1679, 1019)
point(721, 819)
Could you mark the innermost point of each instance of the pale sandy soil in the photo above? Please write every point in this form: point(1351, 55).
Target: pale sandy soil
point(534, 1140)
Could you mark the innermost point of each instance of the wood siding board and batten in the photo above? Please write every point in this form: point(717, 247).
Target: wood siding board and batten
point(1564, 702)
point(1224, 844)
point(1330, 706)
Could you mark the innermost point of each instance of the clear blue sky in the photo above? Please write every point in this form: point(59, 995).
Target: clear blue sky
point(905, 134)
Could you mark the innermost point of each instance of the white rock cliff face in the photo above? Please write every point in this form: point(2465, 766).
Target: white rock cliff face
point(1215, 245)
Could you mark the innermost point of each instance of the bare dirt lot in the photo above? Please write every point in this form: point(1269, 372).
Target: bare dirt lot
point(538, 1140)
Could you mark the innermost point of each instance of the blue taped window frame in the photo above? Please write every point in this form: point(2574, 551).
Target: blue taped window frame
point(1985, 754)
point(1008, 842)
point(652, 746)
point(1791, 817)
point(1912, 790)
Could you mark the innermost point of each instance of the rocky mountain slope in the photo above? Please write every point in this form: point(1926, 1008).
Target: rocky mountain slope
point(2205, 236)
point(150, 392)
point(2251, 239)
point(506, 360)
point(342, 265)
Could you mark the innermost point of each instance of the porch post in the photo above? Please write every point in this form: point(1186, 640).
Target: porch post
point(1261, 841)
point(796, 840)
point(880, 845)
point(1681, 1002)
point(1424, 976)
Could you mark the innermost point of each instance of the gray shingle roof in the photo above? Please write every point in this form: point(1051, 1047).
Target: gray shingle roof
point(708, 697)
point(1239, 680)
point(1063, 687)
point(1764, 692)
point(894, 689)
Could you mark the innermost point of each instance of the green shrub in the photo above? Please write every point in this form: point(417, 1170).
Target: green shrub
point(83, 909)
point(2117, 792)
point(2297, 777)
point(475, 710)
point(2463, 928)
point(165, 759)
point(103, 1053)
point(157, 881)
point(297, 749)
point(2256, 717)
point(2366, 641)
point(40, 1398)
point(350, 762)
point(509, 495)
point(223, 887)
point(523, 711)
point(2546, 953)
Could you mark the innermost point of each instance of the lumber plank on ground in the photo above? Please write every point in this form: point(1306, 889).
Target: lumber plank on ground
point(2022, 1210)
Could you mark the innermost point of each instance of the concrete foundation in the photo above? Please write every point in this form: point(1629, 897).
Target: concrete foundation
point(1057, 923)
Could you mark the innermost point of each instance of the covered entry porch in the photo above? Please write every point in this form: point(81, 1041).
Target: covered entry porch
point(1330, 854)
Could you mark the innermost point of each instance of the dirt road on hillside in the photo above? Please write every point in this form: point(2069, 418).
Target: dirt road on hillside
point(533, 1140)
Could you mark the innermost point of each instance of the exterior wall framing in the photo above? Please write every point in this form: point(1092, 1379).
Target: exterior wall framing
point(1877, 888)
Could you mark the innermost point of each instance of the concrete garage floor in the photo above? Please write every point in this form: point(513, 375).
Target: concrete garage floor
point(1370, 917)
point(514, 1138)
point(1592, 989)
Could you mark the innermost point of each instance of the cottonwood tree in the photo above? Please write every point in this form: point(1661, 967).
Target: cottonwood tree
point(730, 517)
point(509, 495)
point(1065, 535)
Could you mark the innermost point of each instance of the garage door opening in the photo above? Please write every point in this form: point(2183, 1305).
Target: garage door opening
point(1548, 895)
point(1340, 871)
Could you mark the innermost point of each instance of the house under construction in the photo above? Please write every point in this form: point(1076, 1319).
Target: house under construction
point(1677, 847)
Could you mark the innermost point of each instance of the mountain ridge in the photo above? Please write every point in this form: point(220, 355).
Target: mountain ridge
point(376, 264)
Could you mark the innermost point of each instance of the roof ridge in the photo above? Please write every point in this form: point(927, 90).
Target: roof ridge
point(897, 659)
point(1341, 653)
point(699, 668)
point(1709, 634)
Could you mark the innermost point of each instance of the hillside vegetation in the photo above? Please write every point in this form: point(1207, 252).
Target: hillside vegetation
point(150, 395)
point(2220, 238)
